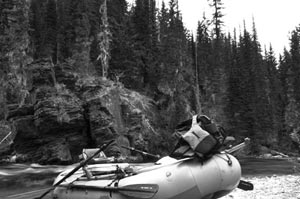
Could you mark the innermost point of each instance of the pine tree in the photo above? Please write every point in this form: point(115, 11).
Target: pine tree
point(43, 28)
point(252, 99)
point(38, 27)
point(244, 114)
point(217, 5)
point(50, 38)
point(263, 105)
point(295, 56)
point(14, 42)
point(274, 94)
point(65, 37)
point(121, 51)
point(204, 50)
point(104, 40)
point(95, 21)
point(235, 91)
point(144, 23)
point(291, 67)
point(193, 51)
point(163, 23)
point(214, 86)
point(80, 36)
point(284, 69)
point(176, 68)
point(4, 67)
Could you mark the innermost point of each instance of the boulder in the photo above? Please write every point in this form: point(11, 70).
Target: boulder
point(64, 74)
point(40, 79)
point(267, 155)
point(100, 122)
point(24, 127)
point(98, 98)
point(61, 126)
point(56, 151)
point(264, 150)
point(111, 115)
point(133, 120)
point(76, 141)
point(56, 115)
point(32, 146)
point(59, 114)
point(14, 110)
point(41, 93)
point(27, 140)
point(40, 73)
point(135, 123)
point(295, 135)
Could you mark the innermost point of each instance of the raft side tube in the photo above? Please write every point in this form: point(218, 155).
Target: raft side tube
point(219, 175)
point(178, 180)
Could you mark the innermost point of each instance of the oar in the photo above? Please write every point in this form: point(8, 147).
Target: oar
point(246, 186)
point(142, 152)
point(83, 163)
point(143, 191)
point(238, 147)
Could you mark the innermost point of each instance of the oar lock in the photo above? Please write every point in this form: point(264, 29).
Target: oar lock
point(228, 160)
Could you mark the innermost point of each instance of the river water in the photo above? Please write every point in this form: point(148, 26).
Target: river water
point(34, 179)
point(19, 178)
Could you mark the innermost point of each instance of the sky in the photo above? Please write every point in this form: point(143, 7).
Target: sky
point(274, 19)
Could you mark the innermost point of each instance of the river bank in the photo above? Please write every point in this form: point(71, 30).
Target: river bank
point(269, 187)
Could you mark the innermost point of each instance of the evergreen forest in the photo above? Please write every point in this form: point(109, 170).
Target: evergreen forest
point(230, 77)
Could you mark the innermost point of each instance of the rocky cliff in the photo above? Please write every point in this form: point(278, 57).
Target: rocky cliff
point(65, 112)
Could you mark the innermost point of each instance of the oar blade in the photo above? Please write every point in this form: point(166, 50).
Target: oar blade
point(246, 186)
point(141, 191)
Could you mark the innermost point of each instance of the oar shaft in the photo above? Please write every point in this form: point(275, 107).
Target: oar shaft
point(239, 146)
point(108, 188)
point(142, 152)
point(83, 163)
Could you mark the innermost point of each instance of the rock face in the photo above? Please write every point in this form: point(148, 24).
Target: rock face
point(67, 113)
point(5, 131)
point(60, 112)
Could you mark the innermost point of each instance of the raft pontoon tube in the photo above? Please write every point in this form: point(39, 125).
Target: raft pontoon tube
point(168, 178)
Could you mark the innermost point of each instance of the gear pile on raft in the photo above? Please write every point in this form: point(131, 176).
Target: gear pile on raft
point(198, 168)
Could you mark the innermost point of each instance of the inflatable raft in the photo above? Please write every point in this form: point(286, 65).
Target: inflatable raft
point(168, 178)
point(192, 177)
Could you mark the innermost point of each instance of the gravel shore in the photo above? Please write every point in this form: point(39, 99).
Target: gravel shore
point(269, 187)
